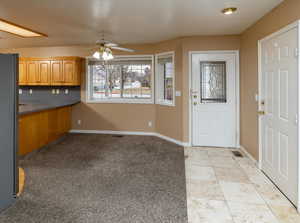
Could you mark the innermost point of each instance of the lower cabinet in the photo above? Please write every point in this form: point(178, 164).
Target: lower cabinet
point(39, 129)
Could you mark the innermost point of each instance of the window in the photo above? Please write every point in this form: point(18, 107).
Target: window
point(165, 79)
point(121, 80)
point(213, 82)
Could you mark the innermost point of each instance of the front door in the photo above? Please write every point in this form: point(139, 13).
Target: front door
point(213, 99)
point(279, 111)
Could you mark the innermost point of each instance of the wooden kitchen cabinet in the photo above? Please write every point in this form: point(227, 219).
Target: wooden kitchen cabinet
point(69, 67)
point(44, 72)
point(32, 73)
point(22, 73)
point(57, 71)
point(37, 72)
point(57, 77)
point(41, 128)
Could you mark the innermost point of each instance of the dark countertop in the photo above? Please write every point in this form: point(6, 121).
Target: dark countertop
point(28, 108)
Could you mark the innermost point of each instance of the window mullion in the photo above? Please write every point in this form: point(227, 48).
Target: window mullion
point(122, 82)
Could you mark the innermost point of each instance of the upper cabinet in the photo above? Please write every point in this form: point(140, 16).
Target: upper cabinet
point(69, 68)
point(57, 76)
point(44, 72)
point(58, 71)
point(22, 72)
point(32, 72)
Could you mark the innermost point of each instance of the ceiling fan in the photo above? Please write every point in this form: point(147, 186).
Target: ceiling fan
point(104, 49)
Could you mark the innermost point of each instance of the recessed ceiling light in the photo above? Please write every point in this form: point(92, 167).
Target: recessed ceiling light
point(18, 30)
point(229, 11)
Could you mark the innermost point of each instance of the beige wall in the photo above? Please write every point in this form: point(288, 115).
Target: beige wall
point(171, 121)
point(284, 14)
point(169, 118)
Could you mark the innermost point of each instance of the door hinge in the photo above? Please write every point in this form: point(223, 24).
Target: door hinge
point(296, 52)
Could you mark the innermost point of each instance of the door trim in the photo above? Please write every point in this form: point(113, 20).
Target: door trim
point(237, 88)
point(283, 30)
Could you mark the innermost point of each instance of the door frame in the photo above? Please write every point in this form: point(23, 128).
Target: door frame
point(283, 30)
point(237, 89)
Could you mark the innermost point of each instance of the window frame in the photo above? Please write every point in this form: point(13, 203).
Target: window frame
point(158, 96)
point(120, 100)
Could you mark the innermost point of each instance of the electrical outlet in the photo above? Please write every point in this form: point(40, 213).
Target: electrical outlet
point(20, 91)
point(66, 91)
point(30, 91)
point(79, 122)
point(53, 91)
point(150, 123)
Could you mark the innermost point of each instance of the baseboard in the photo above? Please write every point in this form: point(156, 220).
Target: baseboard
point(184, 144)
point(249, 155)
point(109, 132)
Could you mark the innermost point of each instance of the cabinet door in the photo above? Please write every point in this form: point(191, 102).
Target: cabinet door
point(78, 70)
point(64, 120)
point(69, 68)
point(56, 72)
point(28, 134)
point(33, 132)
point(44, 72)
point(22, 73)
point(32, 73)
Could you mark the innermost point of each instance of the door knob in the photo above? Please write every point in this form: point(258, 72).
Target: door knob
point(261, 112)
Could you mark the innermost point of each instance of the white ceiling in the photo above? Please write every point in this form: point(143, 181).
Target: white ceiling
point(73, 22)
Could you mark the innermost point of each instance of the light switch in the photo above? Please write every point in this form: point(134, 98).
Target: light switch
point(256, 97)
point(30, 91)
point(177, 93)
point(67, 91)
point(53, 91)
point(57, 91)
point(20, 91)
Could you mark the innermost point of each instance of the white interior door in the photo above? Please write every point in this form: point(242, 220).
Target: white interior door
point(279, 101)
point(213, 98)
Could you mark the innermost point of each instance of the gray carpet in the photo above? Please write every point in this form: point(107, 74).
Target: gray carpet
point(101, 178)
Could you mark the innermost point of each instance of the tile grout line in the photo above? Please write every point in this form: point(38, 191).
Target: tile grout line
point(251, 183)
point(225, 200)
point(266, 203)
point(218, 182)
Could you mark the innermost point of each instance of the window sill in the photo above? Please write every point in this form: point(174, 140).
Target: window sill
point(166, 103)
point(116, 101)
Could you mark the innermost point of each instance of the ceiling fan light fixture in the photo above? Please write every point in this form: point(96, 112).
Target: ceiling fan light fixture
point(110, 56)
point(97, 55)
point(229, 11)
point(104, 54)
point(104, 50)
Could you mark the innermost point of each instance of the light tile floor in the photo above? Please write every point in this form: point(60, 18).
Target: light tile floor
point(222, 188)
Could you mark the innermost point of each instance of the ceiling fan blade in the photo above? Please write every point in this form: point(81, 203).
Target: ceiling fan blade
point(121, 49)
point(111, 44)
